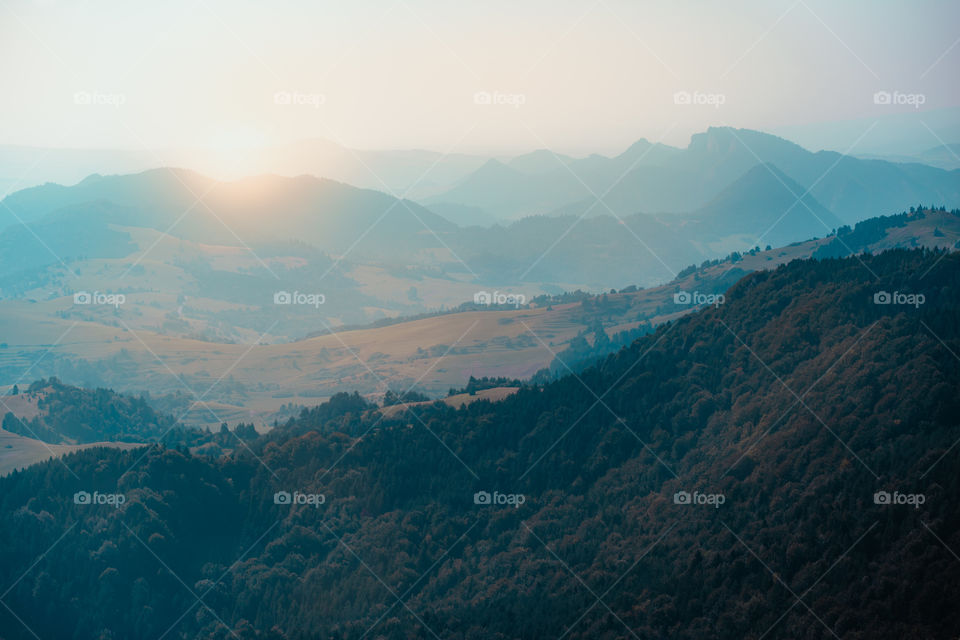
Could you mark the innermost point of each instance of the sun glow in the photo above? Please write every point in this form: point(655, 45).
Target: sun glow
point(231, 151)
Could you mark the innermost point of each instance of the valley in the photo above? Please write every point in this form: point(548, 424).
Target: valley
point(206, 384)
point(126, 348)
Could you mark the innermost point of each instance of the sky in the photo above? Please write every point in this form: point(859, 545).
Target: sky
point(492, 76)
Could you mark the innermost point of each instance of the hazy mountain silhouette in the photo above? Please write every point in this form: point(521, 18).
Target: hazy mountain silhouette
point(325, 213)
point(727, 190)
point(507, 193)
point(602, 252)
point(422, 172)
point(82, 231)
point(852, 188)
point(764, 198)
point(544, 182)
point(539, 161)
point(658, 178)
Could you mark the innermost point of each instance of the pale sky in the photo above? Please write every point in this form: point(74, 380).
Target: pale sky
point(586, 76)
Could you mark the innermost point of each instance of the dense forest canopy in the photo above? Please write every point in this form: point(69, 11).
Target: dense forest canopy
point(76, 415)
point(752, 470)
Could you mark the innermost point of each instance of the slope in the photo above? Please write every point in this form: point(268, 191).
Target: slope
point(764, 206)
point(255, 210)
point(588, 498)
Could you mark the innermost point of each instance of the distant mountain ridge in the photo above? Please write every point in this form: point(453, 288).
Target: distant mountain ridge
point(313, 228)
point(764, 196)
point(661, 179)
point(423, 172)
point(329, 214)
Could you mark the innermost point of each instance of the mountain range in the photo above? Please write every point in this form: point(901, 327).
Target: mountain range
point(420, 172)
point(656, 178)
point(728, 190)
point(269, 208)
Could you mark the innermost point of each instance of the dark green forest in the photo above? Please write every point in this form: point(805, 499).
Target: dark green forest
point(75, 415)
point(800, 401)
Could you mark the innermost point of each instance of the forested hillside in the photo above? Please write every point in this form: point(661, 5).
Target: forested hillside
point(780, 466)
point(69, 414)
